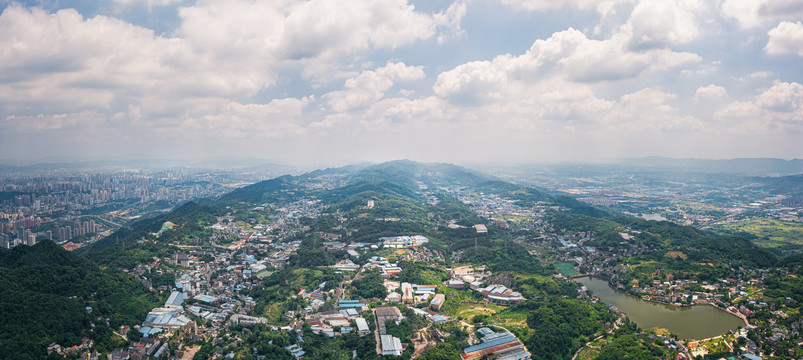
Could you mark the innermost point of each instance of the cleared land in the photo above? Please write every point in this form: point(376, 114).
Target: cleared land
point(565, 268)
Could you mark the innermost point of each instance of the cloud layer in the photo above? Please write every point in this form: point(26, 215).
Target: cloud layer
point(322, 80)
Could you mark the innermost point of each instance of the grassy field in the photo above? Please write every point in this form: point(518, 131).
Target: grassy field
point(768, 233)
point(461, 303)
point(565, 268)
point(511, 319)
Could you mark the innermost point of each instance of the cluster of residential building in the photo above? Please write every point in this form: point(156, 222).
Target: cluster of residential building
point(47, 205)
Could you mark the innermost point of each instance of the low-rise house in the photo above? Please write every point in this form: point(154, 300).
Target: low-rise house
point(437, 302)
point(391, 345)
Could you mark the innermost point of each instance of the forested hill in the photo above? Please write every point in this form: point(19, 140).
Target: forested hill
point(279, 189)
point(44, 291)
point(791, 185)
point(396, 187)
point(190, 220)
point(399, 189)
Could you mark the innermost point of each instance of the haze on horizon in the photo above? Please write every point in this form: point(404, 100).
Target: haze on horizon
point(373, 80)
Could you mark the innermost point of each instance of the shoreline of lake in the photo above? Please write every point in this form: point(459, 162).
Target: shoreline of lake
point(689, 322)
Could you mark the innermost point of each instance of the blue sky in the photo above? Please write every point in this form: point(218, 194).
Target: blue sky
point(371, 80)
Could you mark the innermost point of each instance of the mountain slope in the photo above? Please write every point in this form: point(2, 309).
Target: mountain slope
point(280, 189)
point(43, 292)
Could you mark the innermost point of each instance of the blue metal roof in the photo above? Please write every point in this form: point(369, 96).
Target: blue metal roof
point(352, 305)
point(487, 344)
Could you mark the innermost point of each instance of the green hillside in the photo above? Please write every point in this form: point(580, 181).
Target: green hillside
point(44, 290)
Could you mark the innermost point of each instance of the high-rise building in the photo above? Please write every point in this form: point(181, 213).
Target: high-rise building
point(31, 239)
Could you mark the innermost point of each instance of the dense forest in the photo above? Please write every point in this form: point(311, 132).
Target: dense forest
point(44, 291)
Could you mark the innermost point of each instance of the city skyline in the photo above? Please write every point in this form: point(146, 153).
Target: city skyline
point(453, 81)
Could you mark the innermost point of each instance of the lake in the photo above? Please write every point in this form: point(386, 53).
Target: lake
point(696, 322)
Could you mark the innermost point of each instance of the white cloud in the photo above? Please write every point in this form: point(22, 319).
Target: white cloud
point(710, 92)
point(318, 34)
point(473, 82)
point(71, 63)
point(744, 11)
point(451, 20)
point(649, 110)
point(786, 38)
point(661, 23)
point(779, 107)
point(370, 86)
point(756, 13)
point(56, 63)
point(566, 55)
point(277, 119)
point(148, 3)
point(229, 76)
point(782, 97)
point(602, 6)
point(758, 75)
point(739, 109)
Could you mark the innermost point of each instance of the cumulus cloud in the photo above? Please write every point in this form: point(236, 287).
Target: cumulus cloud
point(316, 33)
point(786, 38)
point(61, 62)
point(710, 92)
point(71, 62)
point(567, 55)
point(371, 85)
point(755, 13)
point(248, 75)
point(780, 107)
point(782, 97)
point(660, 23)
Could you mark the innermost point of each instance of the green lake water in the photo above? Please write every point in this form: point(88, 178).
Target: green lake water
point(696, 322)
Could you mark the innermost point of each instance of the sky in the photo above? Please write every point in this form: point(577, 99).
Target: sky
point(465, 81)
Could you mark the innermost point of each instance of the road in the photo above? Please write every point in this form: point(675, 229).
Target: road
point(421, 346)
